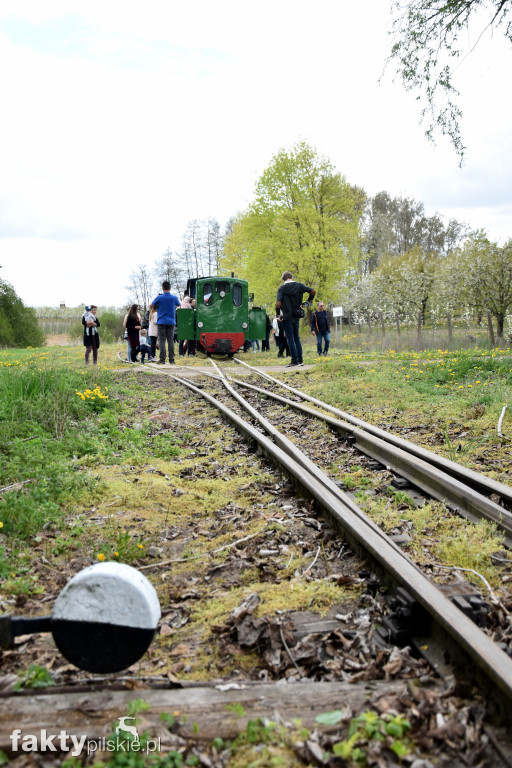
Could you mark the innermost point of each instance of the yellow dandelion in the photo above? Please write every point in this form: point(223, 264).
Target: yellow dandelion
point(101, 557)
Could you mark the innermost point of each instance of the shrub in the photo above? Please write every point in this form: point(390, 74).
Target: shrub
point(18, 323)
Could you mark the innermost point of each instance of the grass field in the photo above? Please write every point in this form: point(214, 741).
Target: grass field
point(72, 436)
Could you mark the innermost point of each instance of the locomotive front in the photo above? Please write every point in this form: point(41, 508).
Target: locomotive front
point(222, 319)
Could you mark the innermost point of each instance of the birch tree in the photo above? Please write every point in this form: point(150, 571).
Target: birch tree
point(430, 37)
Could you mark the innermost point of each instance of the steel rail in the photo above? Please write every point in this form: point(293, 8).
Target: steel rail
point(465, 475)
point(461, 498)
point(486, 655)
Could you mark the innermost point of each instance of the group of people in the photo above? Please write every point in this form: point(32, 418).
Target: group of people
point(161, 322)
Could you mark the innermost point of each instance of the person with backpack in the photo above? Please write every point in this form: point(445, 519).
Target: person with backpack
point(288, 303)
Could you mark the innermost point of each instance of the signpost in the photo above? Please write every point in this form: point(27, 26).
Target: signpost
point(338, 312)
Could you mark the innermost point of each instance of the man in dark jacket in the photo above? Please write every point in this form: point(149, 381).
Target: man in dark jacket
point(288, 302)
point(321, 326)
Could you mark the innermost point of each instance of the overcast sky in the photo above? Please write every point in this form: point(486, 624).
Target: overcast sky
point(122, 121)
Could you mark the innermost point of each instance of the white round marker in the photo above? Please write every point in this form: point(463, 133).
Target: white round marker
point(105, 617)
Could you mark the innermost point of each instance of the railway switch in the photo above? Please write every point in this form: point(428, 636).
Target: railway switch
point(468, 600)
point(407, 620)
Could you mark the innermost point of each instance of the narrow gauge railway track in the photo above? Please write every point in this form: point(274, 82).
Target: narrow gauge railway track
point(491, 665)
point(463, 490)
point(469, 477)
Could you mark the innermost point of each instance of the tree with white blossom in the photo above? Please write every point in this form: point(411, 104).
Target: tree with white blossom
point(482, 275)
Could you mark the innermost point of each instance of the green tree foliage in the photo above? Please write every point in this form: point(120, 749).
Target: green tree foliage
point(305, 219)
point(18, 323)
point(429, 37)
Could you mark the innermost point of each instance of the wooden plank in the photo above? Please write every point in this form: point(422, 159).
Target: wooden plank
point(204, 708)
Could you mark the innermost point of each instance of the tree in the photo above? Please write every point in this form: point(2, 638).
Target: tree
point(395, 225)
point(401, 283)
point(170, 267)
point(484, 277)
point(141, 288)
point(213, 243)
point(304, 218)
point(18, 323)
point(428, 44)
point(202, 247)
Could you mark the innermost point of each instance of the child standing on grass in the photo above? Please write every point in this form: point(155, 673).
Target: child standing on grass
point(144, 347)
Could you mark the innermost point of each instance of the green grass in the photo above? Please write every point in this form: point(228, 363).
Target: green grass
point(55, 432)
point(45, 428)
point(57, 422)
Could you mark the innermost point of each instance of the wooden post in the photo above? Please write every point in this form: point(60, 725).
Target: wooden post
point(381, 318)
point(449, 324)
point(397, 317)
point(491, 329)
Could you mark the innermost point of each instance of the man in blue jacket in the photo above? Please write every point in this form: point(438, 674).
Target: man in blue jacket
point(166, 304)
point(321, 326)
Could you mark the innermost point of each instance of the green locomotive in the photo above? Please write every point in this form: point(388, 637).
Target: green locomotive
point(222, 319)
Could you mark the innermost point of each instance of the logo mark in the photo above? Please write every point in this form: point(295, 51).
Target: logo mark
point(127, 728)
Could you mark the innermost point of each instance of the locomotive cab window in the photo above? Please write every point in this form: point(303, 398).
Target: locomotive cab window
point(237, 295)
point(208, 294)
point(222, 288)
